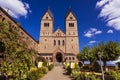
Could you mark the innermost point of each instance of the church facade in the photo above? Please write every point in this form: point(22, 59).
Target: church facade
point(58, 46)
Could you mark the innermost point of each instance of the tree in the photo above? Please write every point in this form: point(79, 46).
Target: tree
point(94, 52)
point(18, 59)
point(84, 54)
point(109, 51)
point(112, 51)
point(101, 49)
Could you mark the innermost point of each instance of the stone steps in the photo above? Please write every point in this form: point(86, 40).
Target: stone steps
point(58, 64)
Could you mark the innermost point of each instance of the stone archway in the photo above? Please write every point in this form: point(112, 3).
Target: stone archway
point(59, 57)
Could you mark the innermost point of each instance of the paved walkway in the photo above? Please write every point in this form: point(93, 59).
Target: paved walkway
point(56, 74)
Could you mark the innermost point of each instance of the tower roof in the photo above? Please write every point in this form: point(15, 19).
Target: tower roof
point(70, 11)
point(50, 13)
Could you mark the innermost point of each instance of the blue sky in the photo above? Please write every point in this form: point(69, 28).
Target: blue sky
point(98, 20)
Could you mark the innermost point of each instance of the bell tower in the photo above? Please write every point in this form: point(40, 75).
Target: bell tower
point(47, 24)
point(72, 45)
point(46, 32)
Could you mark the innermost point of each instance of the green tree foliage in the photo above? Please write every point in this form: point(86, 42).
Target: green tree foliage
point(84, 54)
point(112, 50)
point(109, 51)
point(17, 58)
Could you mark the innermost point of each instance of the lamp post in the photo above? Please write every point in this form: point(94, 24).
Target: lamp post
point(100, 56)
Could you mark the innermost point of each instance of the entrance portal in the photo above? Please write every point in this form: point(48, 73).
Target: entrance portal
point(59, 57)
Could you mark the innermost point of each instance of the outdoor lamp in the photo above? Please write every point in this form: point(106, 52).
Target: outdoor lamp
point(100, 56)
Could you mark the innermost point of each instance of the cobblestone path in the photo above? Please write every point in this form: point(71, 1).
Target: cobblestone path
point(57, 73)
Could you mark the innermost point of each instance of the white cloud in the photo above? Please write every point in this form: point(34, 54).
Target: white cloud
point(110, 12)
point(98, 32)
point(16, 8)
point(92, 42)
point(93, 29)
point(88, 34)
point(92, 32)
point(110, 31)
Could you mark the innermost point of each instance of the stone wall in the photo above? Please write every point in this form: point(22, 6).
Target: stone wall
point(5, 17)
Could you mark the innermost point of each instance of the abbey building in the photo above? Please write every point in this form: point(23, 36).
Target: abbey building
point(58, 46)
point(55, 46)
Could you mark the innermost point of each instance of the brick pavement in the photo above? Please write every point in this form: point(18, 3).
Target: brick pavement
point(57, 73)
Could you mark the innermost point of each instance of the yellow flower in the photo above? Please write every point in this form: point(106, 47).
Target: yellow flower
point(72, 65)
point(40, 64)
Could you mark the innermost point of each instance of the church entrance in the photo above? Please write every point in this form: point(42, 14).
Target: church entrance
point(59, 57)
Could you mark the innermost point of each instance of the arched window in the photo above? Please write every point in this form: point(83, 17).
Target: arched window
point(54, 42)
point(46, 24)
point(73, 58)
point(69, 58)
point(47, 58)
point(0, 16)
point(3, 19)
point(71, 18)
point(71, 24)
point(63, 43)
point(58, 42)
point(46, 17)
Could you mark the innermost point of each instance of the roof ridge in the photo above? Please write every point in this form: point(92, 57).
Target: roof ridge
point(50, 12)
point(70, 10)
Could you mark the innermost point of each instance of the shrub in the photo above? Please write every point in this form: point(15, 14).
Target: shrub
point(77, 68)
point(69, 70)
point(45, 63)
point(32, 75)
point(116, 75)
point(110, 72)
point(84, 76)
point(110, 77)
point(96, 67)
point(50, 67)
point(35, 73)
point(74, 74)
point(85, 68)
point(66, 65)
point(45, 70)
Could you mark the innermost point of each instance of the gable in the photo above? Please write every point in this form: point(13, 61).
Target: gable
point(58, 32)
point(70, 16)
point(47, 16)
